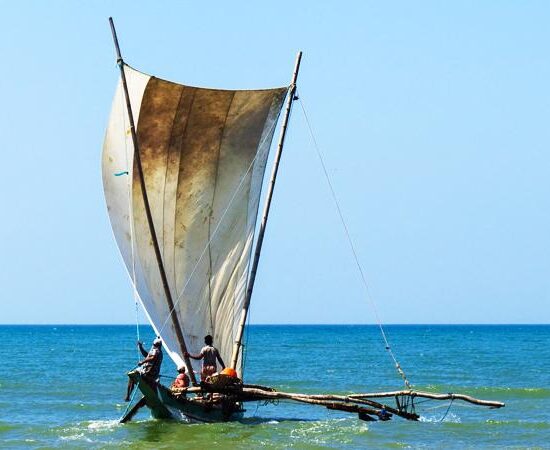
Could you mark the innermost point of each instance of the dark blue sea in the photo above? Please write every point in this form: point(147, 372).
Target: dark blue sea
point(62, 387)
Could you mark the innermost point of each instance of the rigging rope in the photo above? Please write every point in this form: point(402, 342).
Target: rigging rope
point(214, 234)
point(352, 246)
point(244, 345)
point(448, 409)
point(129, 172)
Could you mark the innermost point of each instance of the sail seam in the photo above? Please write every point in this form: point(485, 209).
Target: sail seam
point(222, 136)
point(184, 135)
point(179, 297)
point(170, 143)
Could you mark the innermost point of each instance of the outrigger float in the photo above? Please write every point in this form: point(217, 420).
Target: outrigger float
point(223, 400)
point(183, 169)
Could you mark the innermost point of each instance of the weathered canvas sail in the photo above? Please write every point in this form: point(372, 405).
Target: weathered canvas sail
point(203, 154)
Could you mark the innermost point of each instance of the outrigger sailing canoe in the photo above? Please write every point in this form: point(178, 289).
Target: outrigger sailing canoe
point(183, 169)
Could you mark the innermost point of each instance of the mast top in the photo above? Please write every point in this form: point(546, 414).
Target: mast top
point(119, 59)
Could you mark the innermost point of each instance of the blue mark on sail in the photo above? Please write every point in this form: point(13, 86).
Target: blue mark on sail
point(121, 173)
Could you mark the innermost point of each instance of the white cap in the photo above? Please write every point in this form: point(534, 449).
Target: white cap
point(157, 342)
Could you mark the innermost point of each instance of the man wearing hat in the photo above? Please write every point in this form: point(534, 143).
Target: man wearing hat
point(148, 367)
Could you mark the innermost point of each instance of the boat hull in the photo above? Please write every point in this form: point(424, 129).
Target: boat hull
point(166, 405)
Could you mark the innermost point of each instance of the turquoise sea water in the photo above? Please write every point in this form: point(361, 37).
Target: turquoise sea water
point(62, 386)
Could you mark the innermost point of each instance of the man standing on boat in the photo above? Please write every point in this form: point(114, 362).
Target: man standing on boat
point(149, 367)
point(209, 354)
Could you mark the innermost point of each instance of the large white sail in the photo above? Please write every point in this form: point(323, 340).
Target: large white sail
point(203, 154)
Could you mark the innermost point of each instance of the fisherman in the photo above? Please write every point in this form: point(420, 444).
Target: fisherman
point(149, 368)
point(209, 355)
point(182, 380)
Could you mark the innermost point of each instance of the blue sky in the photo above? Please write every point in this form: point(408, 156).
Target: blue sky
point(432, 116)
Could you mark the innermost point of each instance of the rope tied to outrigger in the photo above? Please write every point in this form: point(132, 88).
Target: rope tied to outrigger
point(353, 250)
point(449, 408)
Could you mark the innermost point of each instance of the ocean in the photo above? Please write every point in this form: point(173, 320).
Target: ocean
point(62, 386)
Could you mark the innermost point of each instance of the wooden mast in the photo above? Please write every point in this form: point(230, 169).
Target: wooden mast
point(137, 158)
point(290, 99)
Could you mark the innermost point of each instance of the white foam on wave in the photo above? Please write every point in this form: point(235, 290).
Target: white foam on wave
point(179, 416)
point(83, 431)
point(99, 425)
point(335, 431)
point(76, 437)
point(449, 418)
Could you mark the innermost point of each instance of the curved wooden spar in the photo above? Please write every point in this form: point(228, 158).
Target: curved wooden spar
point(449, 396)
point(356, 403)
point(270, 392)
point(137, 158)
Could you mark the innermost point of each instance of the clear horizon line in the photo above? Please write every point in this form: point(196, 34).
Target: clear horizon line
point(294, 324)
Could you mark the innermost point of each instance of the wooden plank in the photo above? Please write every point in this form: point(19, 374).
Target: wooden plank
point(265, 215)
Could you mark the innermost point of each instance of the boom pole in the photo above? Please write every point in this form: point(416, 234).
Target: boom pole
point(290, 99)
point(137, 158)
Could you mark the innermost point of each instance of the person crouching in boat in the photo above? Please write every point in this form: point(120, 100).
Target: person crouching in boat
point(209, 354)
point(182, 380)
point(149, 368)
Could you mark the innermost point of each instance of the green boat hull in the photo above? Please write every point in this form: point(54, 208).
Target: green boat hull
point(166, 405)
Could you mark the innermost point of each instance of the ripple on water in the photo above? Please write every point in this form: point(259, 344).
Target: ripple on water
point(70, 408)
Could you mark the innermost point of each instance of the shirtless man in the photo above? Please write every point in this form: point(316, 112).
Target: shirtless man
point(182, 380)
point(209, 355)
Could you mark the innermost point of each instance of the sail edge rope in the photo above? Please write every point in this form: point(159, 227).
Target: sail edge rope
point(129, 172)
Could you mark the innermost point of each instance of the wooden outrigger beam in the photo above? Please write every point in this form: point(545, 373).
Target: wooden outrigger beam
point(362, 404)
point(449, 396)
